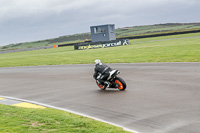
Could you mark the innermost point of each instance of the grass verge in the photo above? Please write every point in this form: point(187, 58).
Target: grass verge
point(180, 50)
point(23, 120)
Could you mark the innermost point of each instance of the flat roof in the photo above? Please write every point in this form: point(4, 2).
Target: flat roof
point(102, 25)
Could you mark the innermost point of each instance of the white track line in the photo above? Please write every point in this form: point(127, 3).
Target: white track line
point(70, 111)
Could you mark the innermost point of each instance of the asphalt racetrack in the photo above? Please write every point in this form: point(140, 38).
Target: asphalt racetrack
point(160, 97)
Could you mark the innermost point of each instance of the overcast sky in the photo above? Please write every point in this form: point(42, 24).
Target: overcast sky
point(32, 20)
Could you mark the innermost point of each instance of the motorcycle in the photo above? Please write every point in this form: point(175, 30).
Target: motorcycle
point(116, 82)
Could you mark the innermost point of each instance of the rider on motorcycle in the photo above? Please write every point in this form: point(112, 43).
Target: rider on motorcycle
point(101, 73)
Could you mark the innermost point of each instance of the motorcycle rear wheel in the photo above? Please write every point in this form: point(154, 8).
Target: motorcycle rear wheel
point(121, 82)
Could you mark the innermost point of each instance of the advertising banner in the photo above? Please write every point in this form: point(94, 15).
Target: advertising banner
point(94, 45)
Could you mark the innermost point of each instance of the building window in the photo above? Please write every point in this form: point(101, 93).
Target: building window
point(111, 28)
point(95, 30)
point(99, 29)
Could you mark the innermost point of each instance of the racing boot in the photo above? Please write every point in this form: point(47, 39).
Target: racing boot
point(100, 83)
point(107, 83)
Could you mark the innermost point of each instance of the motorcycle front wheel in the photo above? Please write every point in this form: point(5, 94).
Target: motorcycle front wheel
point(121, 83)
point(102, 87)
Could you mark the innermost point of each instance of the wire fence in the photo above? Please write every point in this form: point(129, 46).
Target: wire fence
point(27, 49)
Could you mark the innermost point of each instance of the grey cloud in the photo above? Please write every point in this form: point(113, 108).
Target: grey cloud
point(29, 20)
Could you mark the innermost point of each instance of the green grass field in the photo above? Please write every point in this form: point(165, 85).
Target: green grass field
point(23, 120)
point(180, 50)
point(148, 29)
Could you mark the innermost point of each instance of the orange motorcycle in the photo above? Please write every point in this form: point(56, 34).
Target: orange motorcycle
point(116, 82)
